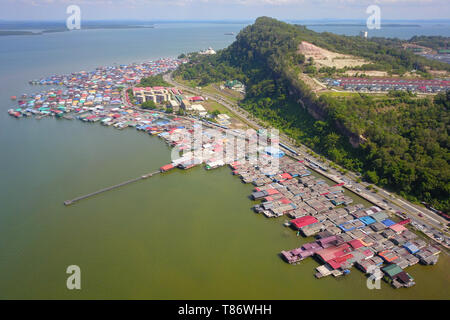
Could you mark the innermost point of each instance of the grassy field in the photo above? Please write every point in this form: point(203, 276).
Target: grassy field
point(340, 94)
point(212, 89)
point(230, 94)
point(210, 106)
point(353, 94)
point(187, 83)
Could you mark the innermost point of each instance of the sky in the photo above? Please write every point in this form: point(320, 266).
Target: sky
point(223, 9)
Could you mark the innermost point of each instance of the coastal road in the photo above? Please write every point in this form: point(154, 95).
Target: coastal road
point(434, 225)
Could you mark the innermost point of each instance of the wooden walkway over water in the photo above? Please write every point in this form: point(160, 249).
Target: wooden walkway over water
point(145, 176)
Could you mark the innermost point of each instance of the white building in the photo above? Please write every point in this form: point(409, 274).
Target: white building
point(198, 108)
point(208, 51)
point(155, 94)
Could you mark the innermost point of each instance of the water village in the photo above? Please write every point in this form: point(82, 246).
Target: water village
point(343, 234)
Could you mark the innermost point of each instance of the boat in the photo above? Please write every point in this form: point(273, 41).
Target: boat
point(214, 164)
point(229, 33)
point(189, 164)
point(16, 114)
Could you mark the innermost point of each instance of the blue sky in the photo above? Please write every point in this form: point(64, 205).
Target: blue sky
point(223, 9)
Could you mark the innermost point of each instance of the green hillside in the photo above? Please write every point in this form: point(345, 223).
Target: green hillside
point(398, 141)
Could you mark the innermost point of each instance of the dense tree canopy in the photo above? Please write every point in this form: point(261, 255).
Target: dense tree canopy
point(148, 105)
point(433, 42)
point(154, 81)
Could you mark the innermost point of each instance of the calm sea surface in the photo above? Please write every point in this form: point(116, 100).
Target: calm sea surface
point(185, 234)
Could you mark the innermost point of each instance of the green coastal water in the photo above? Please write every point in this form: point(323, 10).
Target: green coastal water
point(184, 234)
point(180, 235)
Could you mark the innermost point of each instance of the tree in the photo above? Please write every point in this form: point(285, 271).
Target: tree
point(331, 141)
point(320, 126)
point(148, 105)
point(372, 176)
point(310, 69)
point(299, 58)
point(153, 81)
point(215, 113)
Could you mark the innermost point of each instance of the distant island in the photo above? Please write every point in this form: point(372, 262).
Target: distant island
point(60, 27)
point(390, 25)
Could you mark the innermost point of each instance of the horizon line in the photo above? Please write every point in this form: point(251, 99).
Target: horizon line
point(222, 20)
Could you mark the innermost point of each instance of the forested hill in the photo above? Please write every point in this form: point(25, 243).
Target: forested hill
point(402, 140)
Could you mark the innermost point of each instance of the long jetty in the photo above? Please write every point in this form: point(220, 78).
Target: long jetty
point(145, 176)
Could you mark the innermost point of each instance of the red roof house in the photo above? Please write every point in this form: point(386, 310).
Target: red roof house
point(334, 252)
point(303, 221)
point(271, 192)
point(398, 228)
point(197, 98)
point(355, 243)
point(286, 176)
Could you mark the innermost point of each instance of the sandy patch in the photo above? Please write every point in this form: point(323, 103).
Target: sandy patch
point(439, 73)
point(326, 58)
point(312, 83)
point(372, 73)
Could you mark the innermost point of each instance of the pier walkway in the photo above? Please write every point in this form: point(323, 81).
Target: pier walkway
point(145, 176)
